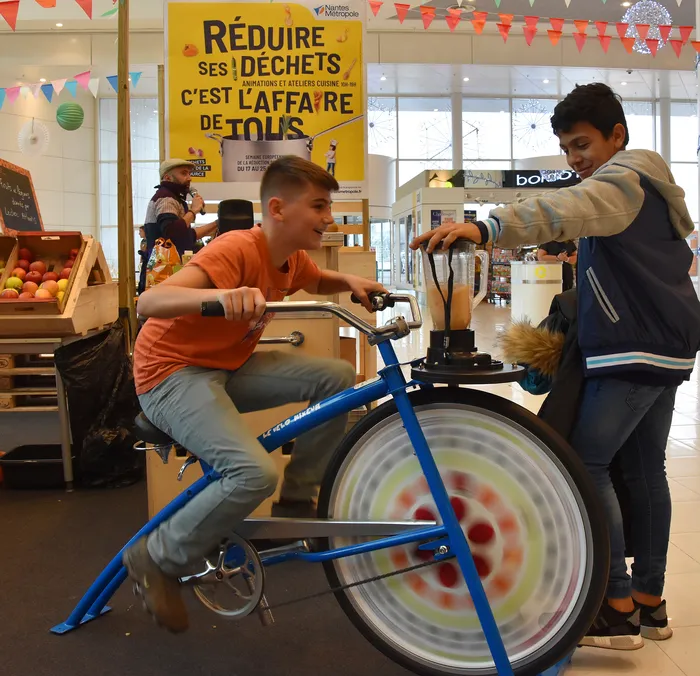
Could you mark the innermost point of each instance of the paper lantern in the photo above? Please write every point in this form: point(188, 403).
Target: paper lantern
point(70, 116)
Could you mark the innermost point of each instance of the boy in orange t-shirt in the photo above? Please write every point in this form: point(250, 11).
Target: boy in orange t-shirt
point(195, 376)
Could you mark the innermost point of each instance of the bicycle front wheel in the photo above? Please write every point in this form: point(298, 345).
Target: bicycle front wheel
point(528, 509)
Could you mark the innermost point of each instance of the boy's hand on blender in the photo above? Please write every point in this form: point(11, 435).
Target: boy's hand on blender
point(362, 287)
point(447, 234)
point(243, 305)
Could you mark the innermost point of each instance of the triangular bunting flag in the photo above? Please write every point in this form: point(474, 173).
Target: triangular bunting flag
point(503, 29)
point(628, 44)
point(58, 86)
point(605, 42)
point(554, 36)
point(47, 89)
point(695, 43)
point(677, 47)
point(478, 26)
point(135, 77)
point(94, 86)
point(36, 88)
point(642, 30)
point(455, 11)
point(480, 16)
point(452, 21)
point(72, 87)
point(498, 3)
point(530, 32)
point(602, 27)
point(622, 29)
point(46, 4)
point(665, 32)
point(531, 21)
point(12, 94)
point(581, 25)
point(653, 45)
point(375, 6)
point(506, 19)
point(532, 2)
point(8, 11)
point(557, 24)
point(685, 33)
point(86, 6)
point(580, 40)
point(114, 82)
point(2, 97)
point(427, 14)
point(83, 79)
point(401, 10)
point(25, 91)
point(568, 2)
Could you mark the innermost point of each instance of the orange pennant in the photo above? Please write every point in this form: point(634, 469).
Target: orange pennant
point(653, 45)
point(665, 32)
point(581, 25)
point(86, 6)
point(643, 30)
point(696, 45)
point(480, 16)
point(622, 29)
point(46, 4)
point(557, 24)
point(530, 32)
point(580, 40)
point(504, 30)
point(605, 42)
point(554, 36)
point(427, 14)
point(401, 10)
point(628, 44)
point(455, 11)
point(677, 47)
point(602, 27)
point(506, 19)
point(531, 21)
point(452, 21)
point(375, 6)
point(685, 33)
point(8, 11)
point(478, 26)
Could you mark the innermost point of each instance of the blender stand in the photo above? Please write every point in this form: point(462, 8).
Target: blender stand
point(447, 375)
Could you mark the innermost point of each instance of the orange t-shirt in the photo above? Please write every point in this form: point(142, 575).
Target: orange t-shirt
point(235, 259)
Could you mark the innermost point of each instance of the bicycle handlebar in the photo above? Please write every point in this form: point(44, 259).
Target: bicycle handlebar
point(379, 301)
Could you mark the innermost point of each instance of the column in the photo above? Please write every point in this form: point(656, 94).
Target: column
point(457, 158)
point(663, 142)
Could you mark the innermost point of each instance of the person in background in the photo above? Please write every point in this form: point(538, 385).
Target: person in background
point(565, 252)
point(168, 215)
point(143, 248)
point(639, 334)
point(330, 157)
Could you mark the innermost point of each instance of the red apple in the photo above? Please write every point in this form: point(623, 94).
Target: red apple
point(51, 286)
point(26, 295)
point(30, 287)
point(38, 266)
point(26, 254)
point(34, 276)
point(70, 263)
point(74, 253)
point(65, 273)
point(50, 276)
point(9, 294)
point(24, 264)
point(44, 294)
point(19, 272)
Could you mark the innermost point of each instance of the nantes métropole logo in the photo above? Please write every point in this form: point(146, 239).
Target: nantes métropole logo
point(336, 12)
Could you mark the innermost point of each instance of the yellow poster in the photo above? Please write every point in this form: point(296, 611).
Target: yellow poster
point(249, 82)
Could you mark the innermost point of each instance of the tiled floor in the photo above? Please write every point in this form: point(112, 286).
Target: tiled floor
point(680, 655)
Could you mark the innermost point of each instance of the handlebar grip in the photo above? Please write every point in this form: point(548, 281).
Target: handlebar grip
point(212, 308)
point(379, 300)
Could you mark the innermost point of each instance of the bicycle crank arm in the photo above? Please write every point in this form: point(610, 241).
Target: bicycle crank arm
point(300, 529)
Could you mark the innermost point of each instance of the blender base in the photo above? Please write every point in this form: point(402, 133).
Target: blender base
point(449, 375)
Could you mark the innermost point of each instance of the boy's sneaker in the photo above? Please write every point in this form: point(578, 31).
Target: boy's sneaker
point(294, 509)
point(654, 621)
point(161, 594)
point(614, 630)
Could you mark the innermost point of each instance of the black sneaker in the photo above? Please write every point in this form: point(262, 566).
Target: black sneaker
point(294, 509)
point(614, 630)
point(654, 621)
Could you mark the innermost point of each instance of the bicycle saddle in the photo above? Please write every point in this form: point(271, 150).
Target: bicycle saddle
point(146, 431)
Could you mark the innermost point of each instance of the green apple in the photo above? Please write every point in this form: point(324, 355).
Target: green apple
point(14, 283)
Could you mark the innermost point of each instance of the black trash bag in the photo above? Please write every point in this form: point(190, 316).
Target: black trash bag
point(98, 378)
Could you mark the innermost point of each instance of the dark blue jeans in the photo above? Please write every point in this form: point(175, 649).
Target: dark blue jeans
point(633, 420)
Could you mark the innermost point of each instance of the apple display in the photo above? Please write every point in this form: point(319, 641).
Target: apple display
point(44, 294)
point(38, 266)
point(62, 284)
point(60, 295)
point(19, 272)
point(14, 283)
point(51, 286)
point(65, 273)
point(9, 294)
point(24, 264)
point(30, 287)
point(69, 263)
point(26, 295)
point(74, 253)
point(34, 276)
point(49, 276)
point(26, 254)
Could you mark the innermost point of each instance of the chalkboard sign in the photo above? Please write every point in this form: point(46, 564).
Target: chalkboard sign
point(19, 211)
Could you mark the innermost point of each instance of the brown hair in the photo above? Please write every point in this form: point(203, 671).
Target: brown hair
point(294, 172)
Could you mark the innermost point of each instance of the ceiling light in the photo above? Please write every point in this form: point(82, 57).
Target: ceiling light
point(435, 110)
point(59, 25)
point(626, 4)
point(624, 84)
point(383, 78)
point(545, 81)
point(466, 79)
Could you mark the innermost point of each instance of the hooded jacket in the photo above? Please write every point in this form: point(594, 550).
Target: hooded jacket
point(637, 307)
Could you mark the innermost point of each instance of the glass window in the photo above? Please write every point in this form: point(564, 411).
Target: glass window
point(532, 129)
point(381, 126)
point(640, 122)
point(410, 168)
point(425, 129)
point(485, 165)
point(684, 131)
point(486, 128)
point(686, 176)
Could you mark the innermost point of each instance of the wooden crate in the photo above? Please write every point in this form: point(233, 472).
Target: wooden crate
point(54, 249)
point(7, 401)
point(8, 248)
point(7, 361)
point(91, 301)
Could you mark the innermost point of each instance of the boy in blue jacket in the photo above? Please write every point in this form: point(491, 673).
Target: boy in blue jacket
point(638, 330)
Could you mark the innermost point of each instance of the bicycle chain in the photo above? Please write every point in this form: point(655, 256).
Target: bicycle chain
point(350, 585)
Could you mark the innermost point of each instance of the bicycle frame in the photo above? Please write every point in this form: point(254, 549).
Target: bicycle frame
point(390, 381)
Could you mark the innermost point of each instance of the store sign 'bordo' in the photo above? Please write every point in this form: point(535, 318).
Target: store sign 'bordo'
point(540, 178)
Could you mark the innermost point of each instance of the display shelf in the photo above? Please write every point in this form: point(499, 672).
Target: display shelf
point(31, 409)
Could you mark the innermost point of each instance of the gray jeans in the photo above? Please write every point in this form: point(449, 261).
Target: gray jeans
point(201, 409)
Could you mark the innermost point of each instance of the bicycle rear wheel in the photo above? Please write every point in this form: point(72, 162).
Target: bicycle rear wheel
point(531, 516)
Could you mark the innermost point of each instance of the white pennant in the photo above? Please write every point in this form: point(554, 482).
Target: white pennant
point(568, 2)
point(58, 85)
point(25, 91)
point(94, 85)
point(36, 88)
point(679, 2)
point(459, 2)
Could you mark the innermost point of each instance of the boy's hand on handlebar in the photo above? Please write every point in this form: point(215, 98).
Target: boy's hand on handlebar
point(243, 305)
point(447, 234)
point(361, 287)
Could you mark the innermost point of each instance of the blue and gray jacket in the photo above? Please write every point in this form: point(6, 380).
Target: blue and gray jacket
point(638, 309)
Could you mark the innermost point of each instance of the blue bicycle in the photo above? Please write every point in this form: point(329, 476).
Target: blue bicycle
point(457, 531)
